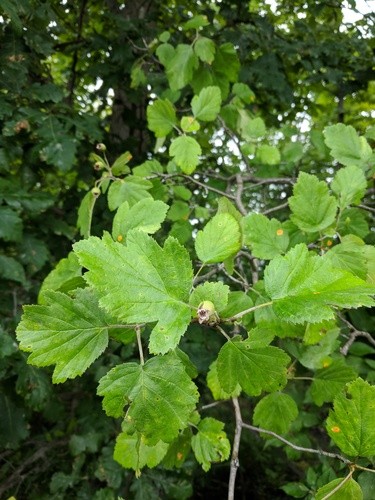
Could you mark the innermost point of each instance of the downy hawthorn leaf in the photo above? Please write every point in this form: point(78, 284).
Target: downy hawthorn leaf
point(205, 49)
point(216, 292)
point(120, 166)
point(266, 237)
point(159, 396)
point(275, 412)
point(351, 422)
point(189, 124)
point(268, 155)
point(313, 208)
point(210, 444)
point(66, 270)
point(85, 214)
point(196, 22)
point(161, 117)
point(67, 332)
point(11, 269)
point(10, 225)
point(350, 490)
point(353, 221)
point(153, 285)
point(131, 189)
point(206, 105)
point(214, 385)
point(255, 369)
point(346, 146)
point(219, 239)
point(185, 151)
point(329, 381)
point(349, 184)
point(304, 287)
point(146, 215)
point(350, 256)
point(181, 67)
point(178, 450)
point(237, 302)
point(132, 452)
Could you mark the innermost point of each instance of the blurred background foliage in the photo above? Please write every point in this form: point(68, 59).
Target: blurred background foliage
point(74, 74)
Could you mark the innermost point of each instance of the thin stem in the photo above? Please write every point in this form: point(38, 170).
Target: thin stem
point(246, 311)
point(234, 464)
point(211, 405)
point(238, 195)
point(363, 468)
point(353, 335)
point(339, 486)
point(139, 341)
point(295, 446)
point(302, 378)
point(198, 272)
point(274, 209)
point(223, 332)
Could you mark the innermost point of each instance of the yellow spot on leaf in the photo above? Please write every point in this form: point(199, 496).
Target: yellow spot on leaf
point(120, 237)
point(326, 364)
point(329, 243)
point(179, 456)
point(335, 429)
point(279, 232)
point(316, 293)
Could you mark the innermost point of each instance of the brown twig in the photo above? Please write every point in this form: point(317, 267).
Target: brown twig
point(354, 334)
point(234, 464)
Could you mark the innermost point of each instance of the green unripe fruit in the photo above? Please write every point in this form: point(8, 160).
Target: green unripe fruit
point(207, 313)
point(95, 191)
point(101, 147)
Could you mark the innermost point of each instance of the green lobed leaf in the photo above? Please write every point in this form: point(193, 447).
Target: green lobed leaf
point(251, 128)
point(329, 381)
point(275, 412)
point(85, 214)
point(266, 237)
point(350, 490)
point(185, 151)
point(304, 287)
point(349, 255)
point(132, 452)
point(206, 105)
point(346, 146)
point(161, 117)
point(120, 166)
point(181, 66)
point(255, 369)
point(220, 238)
point(226, 207)
point(353, 221)
point(153, 285)
point(159, 396)
point(146, 215)
point(237, 302)
point(189, 124)
point(244, 92)
point(13, 424)
point(213, 383)
point(216, 292)
point(226, 62)
point(66, 270)
point(313, 209)
point(205, 49)
point(178, 450)
point(349, 184)
point(131, 189)
point(11, 269)
point(33, 252)
point(351, 422)
point(210, 444)
point(67, 332)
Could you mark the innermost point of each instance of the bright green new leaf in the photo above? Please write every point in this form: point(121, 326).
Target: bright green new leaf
point(351, 422)
point(181, 67)
point(346, 146)
point(313, 209)
point(227, 207)
point(210, 444)
point(237, 302)
point(329, 381)
point(205, 49)
point(255, 369)
point(189, 124)
point(131, 189)
point(251, 128)
point(266, 237)
point(132, 452)
point(349, 184)
point(244, 92)
point(10, 225)
point(141, 283)
point(149, 167)
point(159, 396)
point(214, 385)
point(165, 52)
point(220, 238)
point(185, 151)
point(216, 292)
point(67, 332)
point(146, 215)
point(161, 117)
point(206, 105)
point(275, 412)
point(196, 22)
point(349, 255)
point(268, 155)
point(350, 490)
point(66, 270)
point(353, 221)
point(304, 286)
point(120, 165)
